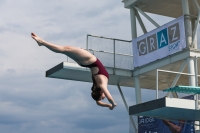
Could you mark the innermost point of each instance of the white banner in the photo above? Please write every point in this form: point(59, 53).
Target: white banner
point(159, 43)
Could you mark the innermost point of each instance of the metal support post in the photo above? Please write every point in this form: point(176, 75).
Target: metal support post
point(126, 105)
point(185, 6)
point(192, 79)
point(188, 28)
point(140, 22)
point(114, 55)
point(189, 39)
point(134, 35)
point(137, 90)
point(157, 84)
point(133, 23)
point(196, 81)
point(196, 71)
point(197, 95)
point(87, 43)
point(191, 71)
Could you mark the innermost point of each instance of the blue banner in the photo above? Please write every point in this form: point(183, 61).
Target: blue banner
point(154, 125)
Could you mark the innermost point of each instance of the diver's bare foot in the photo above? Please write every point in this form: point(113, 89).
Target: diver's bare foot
point(37, 39)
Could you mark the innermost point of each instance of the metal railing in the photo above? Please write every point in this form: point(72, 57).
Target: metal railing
point(114, 53)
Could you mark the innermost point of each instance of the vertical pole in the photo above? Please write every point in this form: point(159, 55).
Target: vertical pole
point(191, 71)
point(197, 95)
point(134, 35)
point(114, 54)
point(133, 23)
point(197, 72)
point(87, 43)
point(137, 90)
point(196, 81)
point(192, 80)
point(188, 32)
point(188, 29)
point(157, 84)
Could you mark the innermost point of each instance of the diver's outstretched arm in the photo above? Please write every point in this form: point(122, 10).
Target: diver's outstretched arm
point(102, 104)
point(108, 95)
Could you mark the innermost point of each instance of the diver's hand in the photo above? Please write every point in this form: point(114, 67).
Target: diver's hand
point(111, 107)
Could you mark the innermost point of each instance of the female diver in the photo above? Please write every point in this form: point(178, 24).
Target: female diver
point(85, 59)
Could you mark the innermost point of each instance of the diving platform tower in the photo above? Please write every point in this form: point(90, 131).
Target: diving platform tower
point(182, 33)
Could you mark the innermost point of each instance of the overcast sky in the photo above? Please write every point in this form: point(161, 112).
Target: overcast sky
point(32, 103)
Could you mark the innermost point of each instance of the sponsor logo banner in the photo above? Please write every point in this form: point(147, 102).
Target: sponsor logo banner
point(159, 43)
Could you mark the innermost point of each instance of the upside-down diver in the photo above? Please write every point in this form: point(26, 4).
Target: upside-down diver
point(84, 58)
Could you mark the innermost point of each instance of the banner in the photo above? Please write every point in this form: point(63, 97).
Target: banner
point(154, 125)
point(159, 43)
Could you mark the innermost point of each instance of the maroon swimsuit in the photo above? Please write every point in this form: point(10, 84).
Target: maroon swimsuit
point(98, 64)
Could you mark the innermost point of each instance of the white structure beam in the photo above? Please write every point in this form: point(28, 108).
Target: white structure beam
point(188, 28)
point(134, 35)
point(140, 22)
point(146, 16)
point(126, 105)
point(133, 23)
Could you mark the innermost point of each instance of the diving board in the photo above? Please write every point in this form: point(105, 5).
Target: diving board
point(167, 108)
point(72, 71)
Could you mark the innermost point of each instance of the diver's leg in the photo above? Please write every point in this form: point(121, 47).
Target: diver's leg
point(79, 55)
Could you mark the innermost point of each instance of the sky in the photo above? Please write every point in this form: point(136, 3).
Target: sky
point(32, 103)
